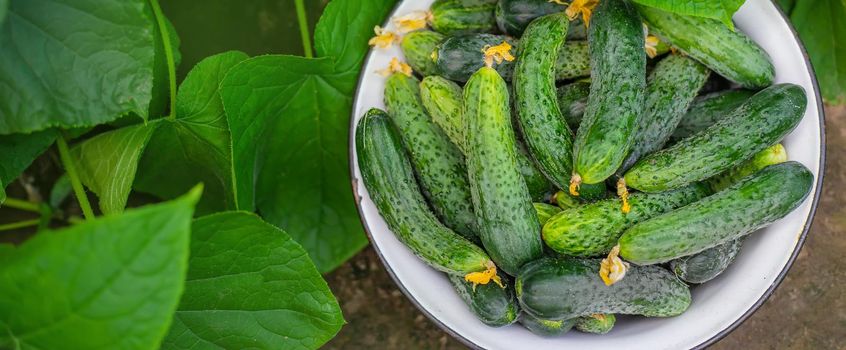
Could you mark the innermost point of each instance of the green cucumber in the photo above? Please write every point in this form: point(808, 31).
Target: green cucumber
point(564, 200)
point(772, 155)
point(753, 203)
point(513, 16)
point(565, 288)
point(389, 178)
point(417, 48)
point(493, 305)
point(593, 229)
point(596, 324)
point(706, 110)
point(670, 88)
point(573, 61)
point(545, 211)
point(508, 224)
point(450, 17)
point(537, 183)
point(758, 123)
point(544, 129)
point(572, 99)
point(546, 328)
point(618, 81)
point(728, 52)
point(707, 264)
point(437, 161)
point(471, 3)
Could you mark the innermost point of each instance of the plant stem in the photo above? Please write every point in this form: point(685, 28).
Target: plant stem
point(303, 21)
point(21, 205)
point(19, 224)
point(171, 65)
point(70, 168)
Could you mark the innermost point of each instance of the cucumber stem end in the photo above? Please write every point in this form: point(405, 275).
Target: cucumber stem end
point(612, 269)
point(623, 192)
point(575, 182)
point(484, 277)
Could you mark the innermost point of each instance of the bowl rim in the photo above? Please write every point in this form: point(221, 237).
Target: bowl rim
point(710, 341)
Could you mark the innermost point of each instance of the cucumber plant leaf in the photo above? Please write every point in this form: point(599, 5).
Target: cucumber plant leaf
point(109, 283)
point(822, 27)
point(17, 151)
point(4, 7)
point(717, 9)
point(107, 163)
point(289, 119)
point(250, 286)
point(73, 63)
point(194, 147)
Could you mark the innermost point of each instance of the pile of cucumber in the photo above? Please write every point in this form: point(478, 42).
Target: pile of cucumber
point(580, 178)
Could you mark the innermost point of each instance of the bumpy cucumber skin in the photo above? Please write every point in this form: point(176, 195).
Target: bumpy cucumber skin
point(458, 57)
point(573, 61)
point(753, 203)
point(543, 127)
point(545, 211)
point(758, 123)
point(707, 109)
point(593, 229)
point(493, 305)
point(565, 288)
point(417, 48)
point(618, 81)
point(707, 264)
point(670, 88)
point(572, 99)
point(471, 3)
point(772, 155)
point(389, 178)
point(507, 221)
point(437, 162)
point(729, 53)
point(513, 16)
point(450, 17)
point(537, 183)
point(546, 328)
point(442, 100)
point(594, 325)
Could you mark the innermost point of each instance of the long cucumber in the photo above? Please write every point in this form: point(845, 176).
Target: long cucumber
point(706, 110)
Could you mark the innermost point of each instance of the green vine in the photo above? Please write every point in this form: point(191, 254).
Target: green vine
point(304, 34)
point(70, 168)
point(171, 65)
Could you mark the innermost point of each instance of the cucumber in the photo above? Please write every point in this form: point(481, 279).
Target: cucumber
point(494, 306)
point(754, 202)
point(565, 288)
point(389, 178)
point(544, 129)
point(758, 123)
point(593, 229)
point(538, 185)
point(707, 264)
point(460, 56)
point(772, 155)
point(728, 52)
point(471, 3)
point(546, 328)
point(596, 324)
point(670, 88)
point(706, 110)
point(545, 211)
point(513, 16)
point(417, 48)
point(572, 99)
point(508, 224)
point(564, 200)
point(437, 161)
point(618, 81)
point(450, 17)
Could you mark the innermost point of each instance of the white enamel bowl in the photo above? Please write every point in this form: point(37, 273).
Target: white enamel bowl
point(718, 306)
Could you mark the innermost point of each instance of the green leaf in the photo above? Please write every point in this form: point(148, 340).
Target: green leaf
point(73, 63)
point(107, 163)
point(195, 146)
point(4, 8)
point(717, 9)
point(786, 5)
point(110, 283)
point(250, 286)
point(822, 26)
point(17, 152)
point(289, 118)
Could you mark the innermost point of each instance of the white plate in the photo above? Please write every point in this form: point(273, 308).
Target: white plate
point(718, 306)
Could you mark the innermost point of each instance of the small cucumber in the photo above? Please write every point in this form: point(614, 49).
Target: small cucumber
point(389, 178)
point(707, 264)
point(437, 161)
point(546, 328)
point(728, 52)
point(754, 202)
point(513, 16)
point(545, 211)
point(508, 224)
point(572, 99)
point(706, 110)
point(618, 81)
point(596, 324)
point(758, 123)
point(670, 88)
point(772, 155)
point(417, 48)
point(493, 305)
point(564, 200)
point(450, 17)
point(565, 288)
point(593, 229)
